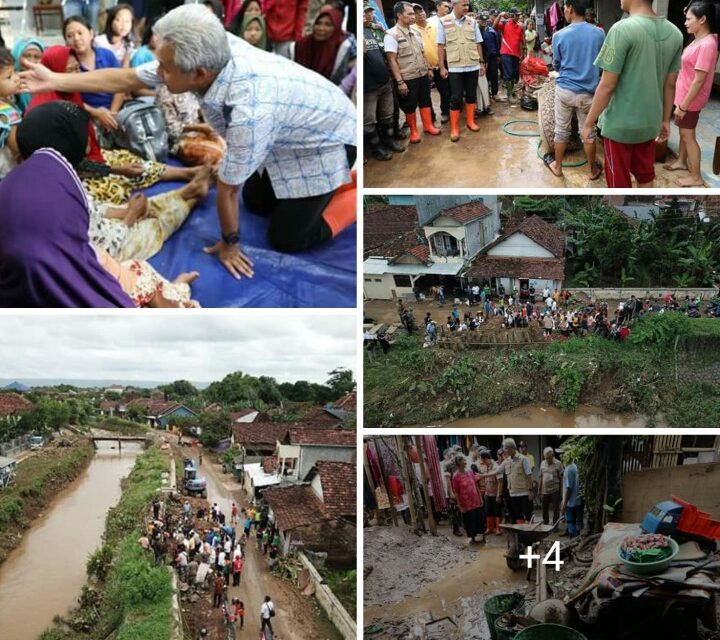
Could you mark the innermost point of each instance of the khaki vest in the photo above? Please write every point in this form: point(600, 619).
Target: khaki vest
point(460, 46)
point(517, 479)
point(410, 57)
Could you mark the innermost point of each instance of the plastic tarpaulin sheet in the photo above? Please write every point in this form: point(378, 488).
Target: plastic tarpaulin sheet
point(322, 277)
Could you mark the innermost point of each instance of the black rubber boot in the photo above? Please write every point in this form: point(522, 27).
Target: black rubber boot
point(388, 140)
point(377, 151)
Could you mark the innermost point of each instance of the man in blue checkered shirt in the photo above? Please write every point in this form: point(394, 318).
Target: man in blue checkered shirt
point(290, 133)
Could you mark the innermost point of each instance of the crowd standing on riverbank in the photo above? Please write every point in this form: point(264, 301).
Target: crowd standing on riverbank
point(559, 315)
point(209, 556)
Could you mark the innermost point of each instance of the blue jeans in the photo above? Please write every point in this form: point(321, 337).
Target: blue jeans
point(573, 517)
point(89, 9)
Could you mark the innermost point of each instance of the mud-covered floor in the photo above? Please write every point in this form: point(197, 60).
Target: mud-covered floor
point(488, 158)
point(411, 581)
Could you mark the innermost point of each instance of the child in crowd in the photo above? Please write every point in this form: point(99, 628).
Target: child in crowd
point(118, 35)
point(239, 611)
point(10, 115)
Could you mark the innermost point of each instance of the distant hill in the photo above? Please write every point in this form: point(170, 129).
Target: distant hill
point(16, 386)
point(51, 382)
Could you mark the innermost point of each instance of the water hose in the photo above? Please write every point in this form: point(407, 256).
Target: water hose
point(528, 134)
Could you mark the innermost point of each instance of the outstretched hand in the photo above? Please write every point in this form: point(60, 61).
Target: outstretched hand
point(234, 260)
point(37, 79)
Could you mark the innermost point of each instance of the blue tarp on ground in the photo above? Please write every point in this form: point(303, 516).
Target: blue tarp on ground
point(322, 277)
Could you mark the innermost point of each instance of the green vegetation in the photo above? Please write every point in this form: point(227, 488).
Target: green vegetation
point(344, 585)
point(416, 386)
point(47, 416)
point(39, 478)
point(133, 600)
point(122, 426)
point(605, 248)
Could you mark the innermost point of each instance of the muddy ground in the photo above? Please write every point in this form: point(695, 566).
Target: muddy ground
point(435, 588)
point(299, 616)
point(411, 581)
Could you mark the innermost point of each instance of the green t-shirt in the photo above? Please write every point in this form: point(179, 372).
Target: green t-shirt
point(643, 51)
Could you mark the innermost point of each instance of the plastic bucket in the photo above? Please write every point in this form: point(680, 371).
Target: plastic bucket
point(549, 632)
point(505, 630)
point(498, 605)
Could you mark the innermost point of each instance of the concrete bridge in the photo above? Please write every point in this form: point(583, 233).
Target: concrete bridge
point(119, 439)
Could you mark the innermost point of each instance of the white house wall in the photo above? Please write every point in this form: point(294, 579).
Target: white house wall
point(311, 455)
point(518, 245)
point(537, 284)
point(383, 287)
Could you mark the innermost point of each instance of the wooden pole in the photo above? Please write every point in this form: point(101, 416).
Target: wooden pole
point(426, 486)
point(408, 484)
point(383, 473)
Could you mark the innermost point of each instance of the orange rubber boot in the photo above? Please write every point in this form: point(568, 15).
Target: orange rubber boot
point(427, 123)
point(454, 125)
point(341, 211)
point(498, 530)
point(411, 119)
point(470, 117)
point(490, 525)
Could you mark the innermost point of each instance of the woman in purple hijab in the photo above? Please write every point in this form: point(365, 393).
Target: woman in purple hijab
point(45, 255)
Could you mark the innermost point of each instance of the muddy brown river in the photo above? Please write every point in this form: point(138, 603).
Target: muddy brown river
point(586, 416)
point(43, 577)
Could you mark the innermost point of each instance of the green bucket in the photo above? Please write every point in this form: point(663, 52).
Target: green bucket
point(549, 632)
point(505, 629)
point(498, 605)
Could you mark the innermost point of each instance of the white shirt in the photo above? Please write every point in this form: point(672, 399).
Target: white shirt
point(265, 610)
point(279, 116)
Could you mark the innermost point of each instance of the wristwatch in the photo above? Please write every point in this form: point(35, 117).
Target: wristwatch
point(231, 238)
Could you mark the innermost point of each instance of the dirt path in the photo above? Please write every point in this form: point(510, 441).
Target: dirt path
point(297, 615)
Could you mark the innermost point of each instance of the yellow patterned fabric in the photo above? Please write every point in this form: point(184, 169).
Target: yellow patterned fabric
point(114, 189)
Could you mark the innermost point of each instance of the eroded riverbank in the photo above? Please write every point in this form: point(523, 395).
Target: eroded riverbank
point(40, 477)
point(44, 575)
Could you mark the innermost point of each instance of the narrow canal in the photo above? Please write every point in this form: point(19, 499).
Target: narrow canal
point(43, 577)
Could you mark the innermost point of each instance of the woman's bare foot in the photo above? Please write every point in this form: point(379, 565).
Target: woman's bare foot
point(691, 181)
point(675, 166)
point(137, 209)
point(187, 278)
point(199, 186)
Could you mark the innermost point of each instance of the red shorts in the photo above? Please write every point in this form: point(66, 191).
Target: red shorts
point(623, 160)
point(688, 121)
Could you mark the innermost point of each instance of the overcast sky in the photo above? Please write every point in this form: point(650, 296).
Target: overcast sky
point(203, 348)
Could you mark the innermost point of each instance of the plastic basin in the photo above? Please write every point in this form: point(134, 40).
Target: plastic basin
point(549, 632)
point(649, 568)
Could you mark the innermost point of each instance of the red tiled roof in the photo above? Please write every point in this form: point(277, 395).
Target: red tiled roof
point(535, 228)
point(13, 403)
point(348, 402)
point(464, 213)
point(382, 224)
point(295, 506)
point(161, 408)
point(319, 418)
point(260, 433)
point(502, 266)
point(321, 437)
point(338, 483)
point(215, 406)
point(419, 251)
point(107, 405)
